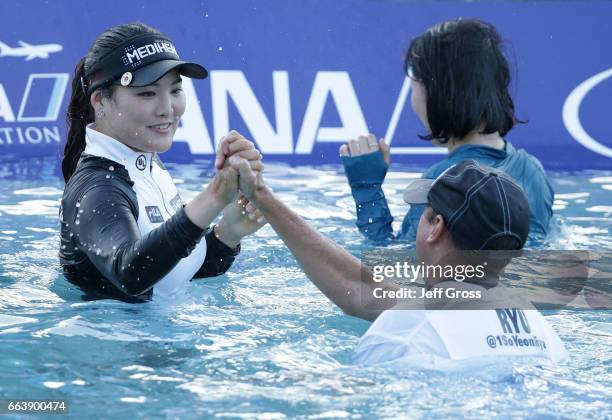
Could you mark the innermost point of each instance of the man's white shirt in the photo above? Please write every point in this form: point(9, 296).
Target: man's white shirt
point(439, 338)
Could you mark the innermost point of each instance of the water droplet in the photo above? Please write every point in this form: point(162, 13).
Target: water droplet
point(63, 246)
point(107, 176)
point(114, 247)
point(98, 251)
point(78, 204)
point(81, 211)
point(243, 213)
point(77, 222)
point(370, 220)
point(220, 48)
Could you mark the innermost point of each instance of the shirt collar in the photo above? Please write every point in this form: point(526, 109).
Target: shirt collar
point(482, 151)
point(99, 144)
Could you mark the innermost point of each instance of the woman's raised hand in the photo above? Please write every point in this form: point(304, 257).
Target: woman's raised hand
point(235, 143)
point(364, 145)
point(224, 186)
point(240, 218)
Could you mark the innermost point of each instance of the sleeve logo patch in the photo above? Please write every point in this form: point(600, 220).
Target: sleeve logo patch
point(154, 214)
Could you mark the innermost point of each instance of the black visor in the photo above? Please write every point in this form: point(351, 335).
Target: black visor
point(155, 71)
point(140, 61)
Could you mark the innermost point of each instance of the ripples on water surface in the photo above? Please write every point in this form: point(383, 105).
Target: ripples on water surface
point(261, 341)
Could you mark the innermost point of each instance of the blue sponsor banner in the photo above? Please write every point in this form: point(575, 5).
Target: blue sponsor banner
point(299, 78)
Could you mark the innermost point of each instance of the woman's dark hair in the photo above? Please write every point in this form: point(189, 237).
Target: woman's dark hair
point(466, 76)
point(80, 112)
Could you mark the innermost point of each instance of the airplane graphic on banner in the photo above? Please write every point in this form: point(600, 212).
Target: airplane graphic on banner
point(29, 51)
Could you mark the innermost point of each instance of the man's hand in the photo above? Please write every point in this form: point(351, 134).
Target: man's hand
point(364, 145)
point(250, 180)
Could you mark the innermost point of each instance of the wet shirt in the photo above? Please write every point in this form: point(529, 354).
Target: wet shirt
point(124, 228)
point(444, 338)
point(367, 172)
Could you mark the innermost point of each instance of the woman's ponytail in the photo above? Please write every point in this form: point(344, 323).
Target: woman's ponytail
point(80, 113)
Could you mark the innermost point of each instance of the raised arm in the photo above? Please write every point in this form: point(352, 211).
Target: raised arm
point(339, 275)
point(366, 163)
point(105, 229)
point(238, 221)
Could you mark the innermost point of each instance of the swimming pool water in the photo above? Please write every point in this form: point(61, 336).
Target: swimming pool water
point(261, 341)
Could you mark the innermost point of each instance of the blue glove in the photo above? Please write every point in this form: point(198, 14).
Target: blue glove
point(366, 174)
point(365, 170)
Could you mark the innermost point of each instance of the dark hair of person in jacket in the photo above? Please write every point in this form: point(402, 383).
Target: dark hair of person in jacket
point(466, 77)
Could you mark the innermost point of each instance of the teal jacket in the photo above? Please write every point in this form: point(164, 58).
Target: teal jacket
point(366, 174)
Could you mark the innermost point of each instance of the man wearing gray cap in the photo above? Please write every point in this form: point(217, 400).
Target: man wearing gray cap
point(469, 208)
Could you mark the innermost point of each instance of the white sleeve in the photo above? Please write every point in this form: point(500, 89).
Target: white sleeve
point(400, 334)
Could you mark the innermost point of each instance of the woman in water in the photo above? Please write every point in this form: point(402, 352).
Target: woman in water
point(460, 81)
point(124, 227)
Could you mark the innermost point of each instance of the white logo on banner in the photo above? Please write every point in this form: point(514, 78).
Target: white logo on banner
point(29, 51)
point(40, 102)
point(44, 94)
point(277, 138)
point(571, 114)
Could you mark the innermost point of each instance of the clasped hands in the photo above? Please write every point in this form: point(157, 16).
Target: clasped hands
point(239, 168)
point(236, 154)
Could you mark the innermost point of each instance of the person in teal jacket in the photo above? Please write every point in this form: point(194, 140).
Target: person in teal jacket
point(459, 82)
